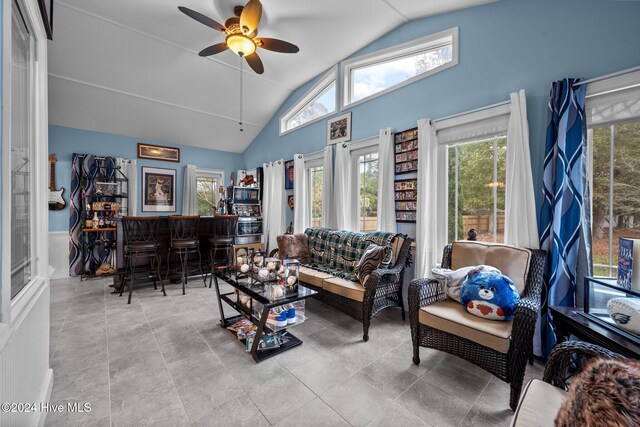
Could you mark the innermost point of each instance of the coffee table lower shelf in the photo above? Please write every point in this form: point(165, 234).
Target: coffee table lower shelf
point(261, 322)
point(260, 355)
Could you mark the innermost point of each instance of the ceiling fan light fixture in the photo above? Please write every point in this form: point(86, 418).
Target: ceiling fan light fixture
point(240, 44)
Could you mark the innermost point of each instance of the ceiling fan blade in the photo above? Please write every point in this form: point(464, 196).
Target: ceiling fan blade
point(250, 16)
point(277, 45)
point(202, 19)
point(255, 63)
point(213, 49)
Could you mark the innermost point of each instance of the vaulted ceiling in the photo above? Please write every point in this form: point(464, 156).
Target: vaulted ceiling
point(130, 67)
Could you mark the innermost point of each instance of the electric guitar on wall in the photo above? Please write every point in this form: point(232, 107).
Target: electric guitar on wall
point(56, 201)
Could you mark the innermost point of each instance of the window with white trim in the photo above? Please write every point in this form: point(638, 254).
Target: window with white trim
point(364, 170)
point(477, 171)
point(22, 148)
point(208, 183)
point(383, 71)
point(613, 144)
point(476, 145)
point(315, 174)
point(318, 102)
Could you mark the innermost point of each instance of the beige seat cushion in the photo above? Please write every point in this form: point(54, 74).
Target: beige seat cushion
point(313, 277)
point(449, 316)
point(344, 288)
point(511, 261)
point(539, 405)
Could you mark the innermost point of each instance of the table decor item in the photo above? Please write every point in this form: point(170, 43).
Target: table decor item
point(626, 313)
point(629, 263)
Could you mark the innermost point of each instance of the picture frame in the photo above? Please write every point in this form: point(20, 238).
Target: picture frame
point(158, 190)
point(288, 175)
point(158, 152)
point(339, 129)
point(406, 202)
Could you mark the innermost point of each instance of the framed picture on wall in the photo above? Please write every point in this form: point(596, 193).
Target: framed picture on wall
point(339, 129)
point(288, 175)
point(157, 152)
point(158, 190)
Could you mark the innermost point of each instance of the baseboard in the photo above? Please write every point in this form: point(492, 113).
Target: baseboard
point(59, 254)
point(45, 396)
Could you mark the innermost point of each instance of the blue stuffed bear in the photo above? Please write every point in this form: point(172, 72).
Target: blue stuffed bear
point(489, 295)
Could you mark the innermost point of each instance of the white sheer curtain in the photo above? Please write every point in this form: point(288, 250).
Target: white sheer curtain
point(189, 192)
point(521, 223)
point(301, 196)
point(129, 169)
point(346, 212)
point(386, 174)
point(274, 201)
point(431, 236)
point(327, 188)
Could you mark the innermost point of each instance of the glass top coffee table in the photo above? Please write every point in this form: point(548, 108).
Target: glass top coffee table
point(254, 298)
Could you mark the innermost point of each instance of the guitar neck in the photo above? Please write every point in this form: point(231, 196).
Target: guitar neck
point(52, 176)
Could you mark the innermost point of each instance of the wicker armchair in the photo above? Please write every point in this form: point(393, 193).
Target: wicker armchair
point(541, 400)
point(508, 359)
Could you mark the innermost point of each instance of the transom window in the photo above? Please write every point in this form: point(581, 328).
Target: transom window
point(318, 102)
point(477, 174)
point(383, 71)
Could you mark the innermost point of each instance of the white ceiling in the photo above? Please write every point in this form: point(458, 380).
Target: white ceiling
point(130, 67)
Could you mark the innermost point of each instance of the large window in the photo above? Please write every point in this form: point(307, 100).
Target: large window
point(383, 71)
point(22, 182)
point(615, 195)
point(368, 191)
point(207, 189)
point(315, 184)
point(318, 102)
point(612, 114)
point(477, 171)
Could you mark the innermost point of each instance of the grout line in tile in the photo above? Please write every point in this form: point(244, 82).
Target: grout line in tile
point(106, 331)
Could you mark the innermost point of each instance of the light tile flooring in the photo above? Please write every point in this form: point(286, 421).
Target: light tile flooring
point(164, 361)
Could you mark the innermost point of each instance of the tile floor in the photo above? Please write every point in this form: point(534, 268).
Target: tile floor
point(164, 361)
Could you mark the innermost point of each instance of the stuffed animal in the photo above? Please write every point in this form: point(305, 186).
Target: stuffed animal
point(489, 295)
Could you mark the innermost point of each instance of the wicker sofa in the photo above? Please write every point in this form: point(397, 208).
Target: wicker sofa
point(331, 271)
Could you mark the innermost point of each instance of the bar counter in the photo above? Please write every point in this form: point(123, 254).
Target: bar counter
point(220, 225)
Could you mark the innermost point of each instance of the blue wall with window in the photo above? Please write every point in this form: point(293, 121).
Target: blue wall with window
point(505, 46)
point(64, 141)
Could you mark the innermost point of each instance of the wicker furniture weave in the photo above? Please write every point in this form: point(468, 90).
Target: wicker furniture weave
point(510, 366)
point(384, 287)
point(541, 400)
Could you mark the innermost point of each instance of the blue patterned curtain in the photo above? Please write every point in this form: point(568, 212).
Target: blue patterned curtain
point(86, 170)
point(562, 217)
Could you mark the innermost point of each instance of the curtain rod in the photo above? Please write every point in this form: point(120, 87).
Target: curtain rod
point(607, 76)
point(499, 104)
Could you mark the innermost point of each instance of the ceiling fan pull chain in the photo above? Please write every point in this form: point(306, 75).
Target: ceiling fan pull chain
point(241, 128)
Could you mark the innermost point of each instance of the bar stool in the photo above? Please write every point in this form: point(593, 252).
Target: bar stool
point(184, 242)
point(141, 241)
point(222, 242)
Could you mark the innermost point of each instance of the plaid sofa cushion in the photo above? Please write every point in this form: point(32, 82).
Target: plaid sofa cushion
point(337, 251)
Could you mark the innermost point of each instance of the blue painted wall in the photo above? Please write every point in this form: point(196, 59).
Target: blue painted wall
point(64, 141)
point(505, 46)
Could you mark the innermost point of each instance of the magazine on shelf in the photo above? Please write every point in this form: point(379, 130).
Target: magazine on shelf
point(629, 263)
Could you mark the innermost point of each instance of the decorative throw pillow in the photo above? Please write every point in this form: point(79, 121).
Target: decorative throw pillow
point(371, 259)
point(396, 246)
point(295, 246)
point(605, 393)
point(451, 280)
point(489, 295)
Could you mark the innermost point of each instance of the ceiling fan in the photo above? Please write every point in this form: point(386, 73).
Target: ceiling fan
point(241, 31)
